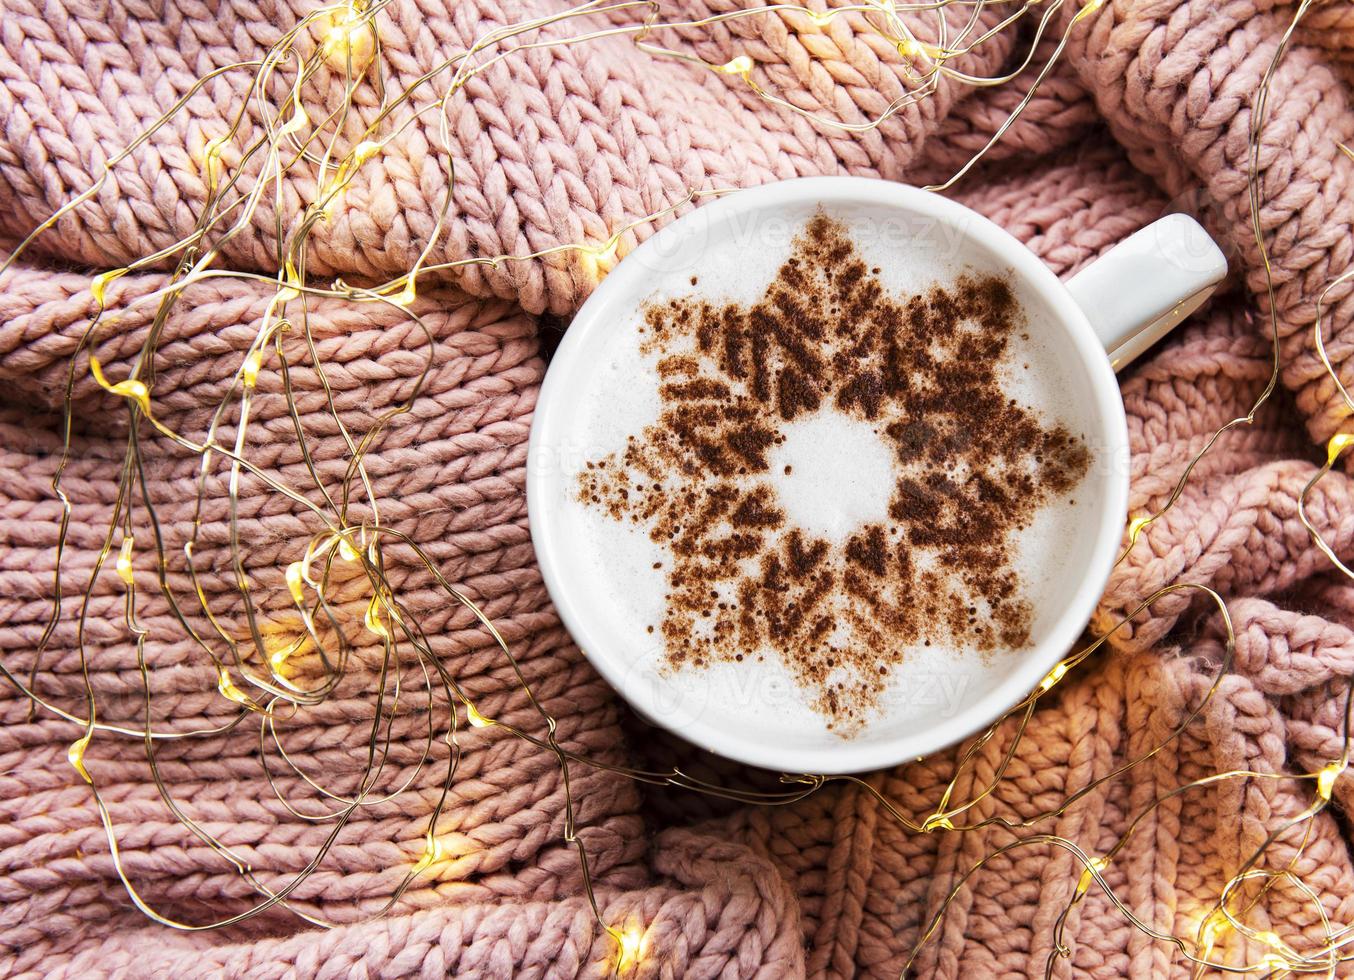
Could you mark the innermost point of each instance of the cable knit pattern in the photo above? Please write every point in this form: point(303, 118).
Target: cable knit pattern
point(1148, 112)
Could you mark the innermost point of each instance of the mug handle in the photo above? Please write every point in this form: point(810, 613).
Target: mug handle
point(1141, 288)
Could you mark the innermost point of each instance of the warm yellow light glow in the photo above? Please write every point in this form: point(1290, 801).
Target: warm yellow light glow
point(476, 719)
point(1338, 444)
point(630, 941)
point(1136, 525)
point(212, 166)
point(373, 618)
point(1093, 867)
point(1325, 779)
point(75, 755)
point(365, 150)
point(936, 821)
point(296, 582)
point(350, 38)
point(821, 18)
point(292, 283)
point(605, 252)
point(406, 295)
point(740, 65)
point(228, 689)
point(299, 120)
point(279, 657)
point(346, 550)
point(432, 851)
point(1208, 933)
point(124, 563)
point(250, 370)
point(1275, 958)
point(130, 388)
point(1054, 675)
point(600, 259)
point(910, 47)
point(98, 286)
point(1271, 940)
point(1273, 962)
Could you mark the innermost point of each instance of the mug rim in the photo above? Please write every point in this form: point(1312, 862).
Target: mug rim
point(1033, 664)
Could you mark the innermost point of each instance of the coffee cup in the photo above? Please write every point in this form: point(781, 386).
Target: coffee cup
point(616, 572)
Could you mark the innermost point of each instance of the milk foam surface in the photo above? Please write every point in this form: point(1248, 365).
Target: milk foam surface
point(840, 475)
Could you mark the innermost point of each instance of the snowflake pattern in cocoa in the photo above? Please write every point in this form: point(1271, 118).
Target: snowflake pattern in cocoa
point(973, 466)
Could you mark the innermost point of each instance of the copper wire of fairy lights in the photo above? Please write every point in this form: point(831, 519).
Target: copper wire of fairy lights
point(344, 40)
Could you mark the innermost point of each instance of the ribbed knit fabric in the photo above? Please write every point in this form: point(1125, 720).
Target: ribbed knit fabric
point(1148, 112)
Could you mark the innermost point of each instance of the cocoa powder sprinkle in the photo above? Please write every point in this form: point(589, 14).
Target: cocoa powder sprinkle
point(925, 370)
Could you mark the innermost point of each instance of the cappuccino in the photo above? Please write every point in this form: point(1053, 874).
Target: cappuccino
point(816, 478)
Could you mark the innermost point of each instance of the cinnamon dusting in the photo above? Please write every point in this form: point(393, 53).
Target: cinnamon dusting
point(924, 371)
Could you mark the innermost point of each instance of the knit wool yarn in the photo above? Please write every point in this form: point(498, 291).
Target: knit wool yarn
point(1150, 110)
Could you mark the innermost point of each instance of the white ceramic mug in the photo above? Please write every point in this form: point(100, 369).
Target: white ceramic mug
point(1098, 322)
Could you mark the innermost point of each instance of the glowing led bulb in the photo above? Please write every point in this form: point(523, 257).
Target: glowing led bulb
point(75, 755)
point(1338, 444)
point(740, 65)
point(910, 47)
point(291, 287)
point(1325, 779)
point(298, 120)
point(296, 582)
point(598, 260)
point(936, 821)
point(373, 618)
point(130, 388)
point(1274, 959)
point(350, 38)
point(605, 252)
point(1208, 933)
point(476, 719)
point(1273, 962)
point(346, 550)
point(228, 689)
point(630, 940)
point(820, 18)
point(1054, 675)
point(124, 563)
point(1093, 867)
point(251, 367)
point(212, 166)
point(361, 153)
point(98, 286)
point(431, 852)
point(365, 150)
point(279, 657)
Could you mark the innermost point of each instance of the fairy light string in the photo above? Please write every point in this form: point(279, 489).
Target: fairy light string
point(266, 676)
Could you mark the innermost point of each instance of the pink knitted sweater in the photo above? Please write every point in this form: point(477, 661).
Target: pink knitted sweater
point(1149, 111)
